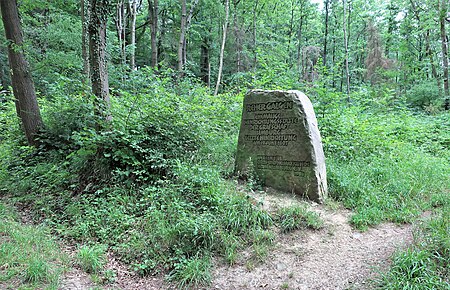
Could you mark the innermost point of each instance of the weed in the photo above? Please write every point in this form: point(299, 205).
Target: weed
point(297, 217)
point(412, 269)
point(192, 272)
point(37, 271)
point(92, 258)
point(28, 253)
point(425, 265)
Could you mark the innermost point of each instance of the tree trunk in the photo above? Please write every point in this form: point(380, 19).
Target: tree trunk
point(255, 56)
point(291, 30)
point(433, 65)
point(153, 13)
point(182, 35)
point(84, 39)
point(325, 38)
point(237, 36)
point(97, 53)
point(204, 62)
point(222, 49)
point(121, 29)
point(299, 38)
point(161, 51)
point(443, 14)
point(133, 4)
point(185, 25)
point(344, 2)
point(25, 96)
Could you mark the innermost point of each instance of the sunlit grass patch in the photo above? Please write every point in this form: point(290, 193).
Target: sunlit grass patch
point(27, 253)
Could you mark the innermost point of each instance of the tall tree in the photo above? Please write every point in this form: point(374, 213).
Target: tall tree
point(222, 49)
point(97, 52)
point(205, 65)
point(444, 41)
point(84, 38)
point(153, 16)
point(133, 15)
point(182, 35)
point(300, 35)
point(25, 96)
point(237, 36)
point(121, 27)
point(347, 74)
point(185, 25)
point(325, 37)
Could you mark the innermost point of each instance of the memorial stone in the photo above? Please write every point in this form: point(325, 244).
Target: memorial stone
point(279, 141)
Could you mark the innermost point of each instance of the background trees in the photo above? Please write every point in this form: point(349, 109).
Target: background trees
point(188, 36)
point(400, 44)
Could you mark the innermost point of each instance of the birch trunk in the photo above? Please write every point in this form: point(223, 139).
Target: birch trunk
point(182, 35)
point(133, 4)
point(347, 75)
point(222, 49)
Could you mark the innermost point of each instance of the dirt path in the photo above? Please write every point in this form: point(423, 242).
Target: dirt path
point(336, 257)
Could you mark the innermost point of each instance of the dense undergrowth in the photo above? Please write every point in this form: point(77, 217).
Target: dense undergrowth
point(157, 187)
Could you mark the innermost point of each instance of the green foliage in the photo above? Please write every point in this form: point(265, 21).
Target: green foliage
point(151, 189)
point(412, 269)
point(92, 258)
point(426, 264)
point(192, 272)
point(382, 164)
point(29, 256)
point(424, 95)
point(37, 271)
point(298, 217)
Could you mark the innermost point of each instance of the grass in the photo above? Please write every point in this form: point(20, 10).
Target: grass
point(192, 272)
point(298, 217)
point(29, 257)
point(426, 264)
point(91, 258)
point(384, 167)
point(154, 191)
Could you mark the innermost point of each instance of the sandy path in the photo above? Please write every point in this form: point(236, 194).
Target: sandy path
point(336, 257)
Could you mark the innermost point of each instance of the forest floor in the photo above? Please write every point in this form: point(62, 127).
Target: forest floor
point(334, 257)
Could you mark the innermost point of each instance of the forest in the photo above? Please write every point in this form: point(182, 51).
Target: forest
point(119, 122)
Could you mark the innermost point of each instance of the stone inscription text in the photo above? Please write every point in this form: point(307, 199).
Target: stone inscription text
point(270, 128)
point(276, 162)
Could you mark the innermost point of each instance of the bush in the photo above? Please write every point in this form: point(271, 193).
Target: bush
point(424, 94)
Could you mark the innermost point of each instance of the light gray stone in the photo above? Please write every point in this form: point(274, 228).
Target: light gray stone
point(279, 140)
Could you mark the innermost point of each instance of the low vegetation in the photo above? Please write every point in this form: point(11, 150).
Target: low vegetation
point(30, 258)
point(156, 188)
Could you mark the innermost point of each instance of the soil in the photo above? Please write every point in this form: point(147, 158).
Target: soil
point(335, 257)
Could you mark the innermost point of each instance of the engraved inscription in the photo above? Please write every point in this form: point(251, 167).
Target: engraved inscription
point(270, 106)
point(270, 129)
point(276, 162)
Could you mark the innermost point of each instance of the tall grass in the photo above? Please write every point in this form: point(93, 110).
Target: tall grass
point(29, 257)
